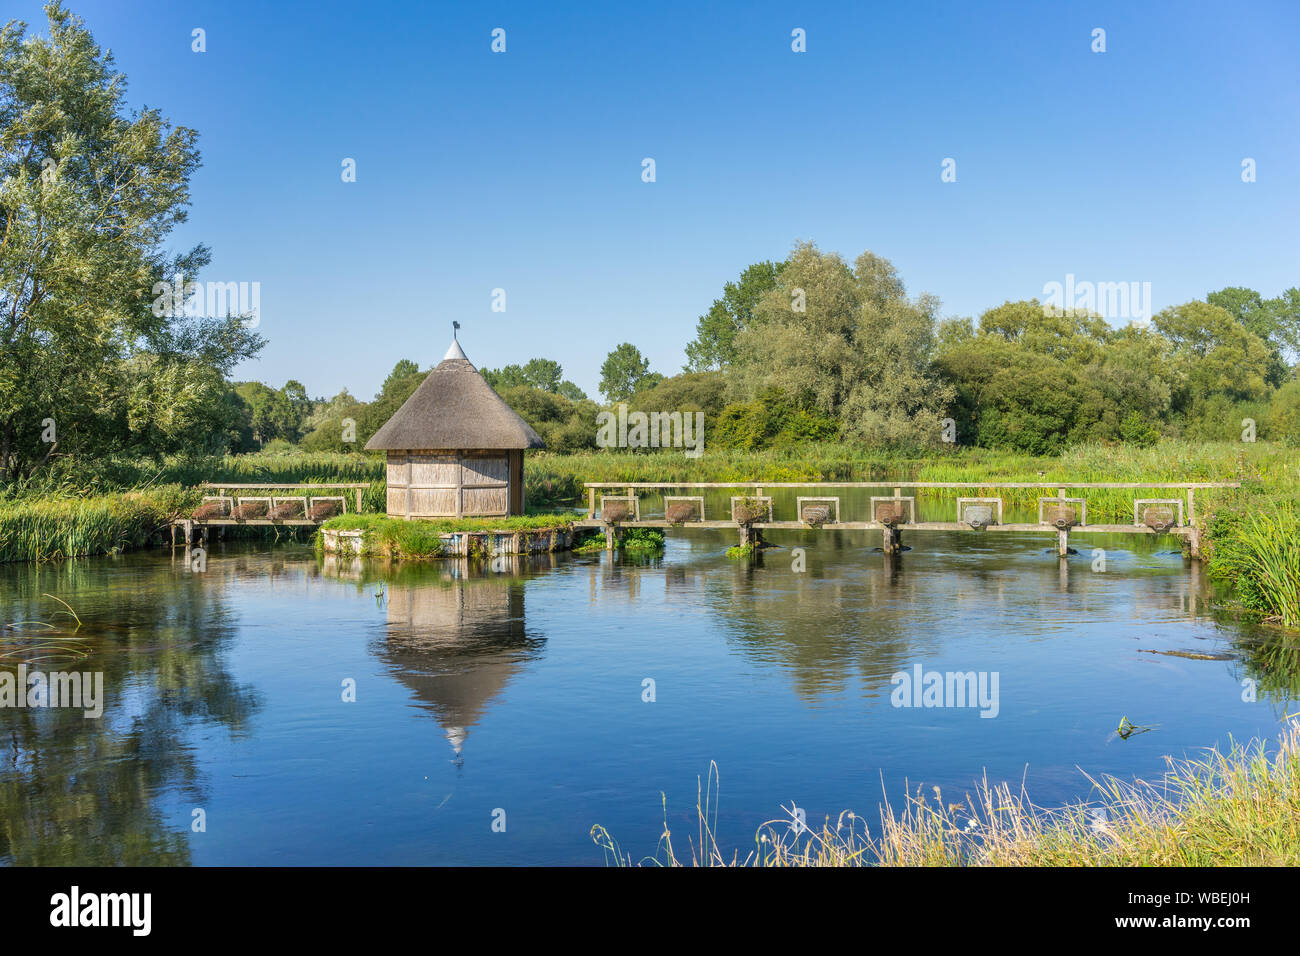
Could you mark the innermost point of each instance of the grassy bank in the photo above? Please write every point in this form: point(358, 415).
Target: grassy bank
point(382, 536)
point(1240, 808)
point(47, 527)
point(89, 509)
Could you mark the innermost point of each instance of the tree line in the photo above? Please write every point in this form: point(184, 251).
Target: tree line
point(809, 348)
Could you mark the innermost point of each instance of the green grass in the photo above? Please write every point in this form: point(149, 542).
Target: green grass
point(1240, 808)
point(46, 528)
point(397, 538)
point(1259, 551)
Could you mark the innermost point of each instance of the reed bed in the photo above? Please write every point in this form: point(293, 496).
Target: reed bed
point(1260, 552)
point(1240, 808)
point(48, 528)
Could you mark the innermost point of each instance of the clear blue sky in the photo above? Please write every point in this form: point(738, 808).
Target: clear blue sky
point(523, 170)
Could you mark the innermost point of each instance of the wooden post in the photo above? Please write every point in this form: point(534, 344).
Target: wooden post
point(889, 540)
point(1063, 542)
point(611, 538)
point(591, 502)
point(358, 501)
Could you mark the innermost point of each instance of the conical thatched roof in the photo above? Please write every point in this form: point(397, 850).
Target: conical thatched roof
point(454, 408)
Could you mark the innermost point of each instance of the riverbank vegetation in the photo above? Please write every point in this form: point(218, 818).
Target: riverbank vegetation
point(810, 367)
point(1239, 808)
point(397, 538)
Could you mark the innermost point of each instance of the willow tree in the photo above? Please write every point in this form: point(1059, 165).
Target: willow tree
point(849, 342)
point(88, 194)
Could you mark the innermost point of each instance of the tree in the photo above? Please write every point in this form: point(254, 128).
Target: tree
point(400, 385)
point(544, 374)
point(715, 333)
point(847, 342)
point(624, 372)
point(88, 194)
point(1035, 380)
point(1212, 354)
point(1275, 321)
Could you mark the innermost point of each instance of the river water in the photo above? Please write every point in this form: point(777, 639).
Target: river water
point(500, 713)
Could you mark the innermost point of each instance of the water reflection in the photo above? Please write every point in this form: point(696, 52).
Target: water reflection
point(456, 634)
point(86, 791)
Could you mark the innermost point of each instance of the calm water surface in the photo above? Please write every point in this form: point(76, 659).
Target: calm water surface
point(521, 691)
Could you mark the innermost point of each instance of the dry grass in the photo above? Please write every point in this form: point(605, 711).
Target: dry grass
point(1240, 808)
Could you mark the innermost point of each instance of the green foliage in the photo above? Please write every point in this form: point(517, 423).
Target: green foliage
point(625, 372)
point(565, 425)
point(1256, 551)
point(848, 343)
point(771, 420)
point(1137, 430)
point(83, 343)
point(715, 333)
point(688, 392)
point(39, 529)
point(1037, 380)
point(538, 373)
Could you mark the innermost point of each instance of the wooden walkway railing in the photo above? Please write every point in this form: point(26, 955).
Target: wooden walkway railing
point(1185, 527)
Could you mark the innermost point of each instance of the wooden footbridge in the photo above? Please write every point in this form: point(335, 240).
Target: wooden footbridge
point(1063, 511)
point(292, 510)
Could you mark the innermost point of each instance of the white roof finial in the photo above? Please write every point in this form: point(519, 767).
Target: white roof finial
point(455, 351)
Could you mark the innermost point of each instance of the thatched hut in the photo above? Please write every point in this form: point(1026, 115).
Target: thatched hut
point(455, 448)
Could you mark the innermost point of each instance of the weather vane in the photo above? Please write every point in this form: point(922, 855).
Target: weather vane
point(454, 326)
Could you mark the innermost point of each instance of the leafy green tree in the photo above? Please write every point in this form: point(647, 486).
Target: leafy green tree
point(1035, 380)
point(715, 333)
point(566, 426)
point(539, 373)
point(1212, 354)
point(849, 343)
point(325, 426)
point(400, 385)
point(88, 195)
point(688, 392)
point(624, 372)
point(1275, 321)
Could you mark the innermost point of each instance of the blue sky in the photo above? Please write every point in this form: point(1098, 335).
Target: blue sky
point(522, 170)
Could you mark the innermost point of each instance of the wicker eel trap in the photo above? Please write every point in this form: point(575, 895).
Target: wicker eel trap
point(1159, 518)
point(1061, 517)
point(815, 515)
point(680, 512)
point(212, 509)
point(614, 511)
point(891, 512)
point(288, 510)
point(247, 510)
point(324, 509)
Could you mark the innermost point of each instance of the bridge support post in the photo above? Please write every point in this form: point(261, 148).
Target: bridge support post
point(189, 531)
point(1063, 542)
point(891, 540)
point(612, 538)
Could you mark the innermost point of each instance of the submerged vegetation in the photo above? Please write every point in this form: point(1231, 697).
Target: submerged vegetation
point(1240, 808)
point(632, 542)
